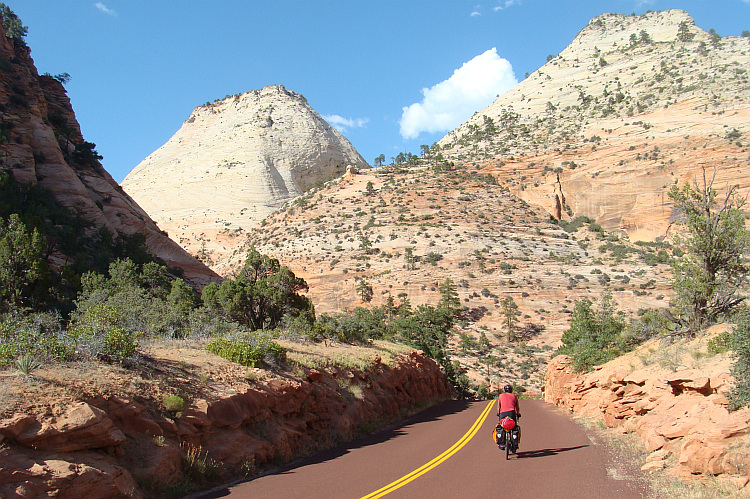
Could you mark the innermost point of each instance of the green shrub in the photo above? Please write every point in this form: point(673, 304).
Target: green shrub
point(144, 295)
point(432, 258)
point(7, 354)
point(739, 342)
point(243, 352)
point(173, 403)
point(649, 324)
point(719, 343)
point(595, 336)
point(120, 343)
point(98, 336)
point(39, 335)
point(357, 326)
point(233, 351)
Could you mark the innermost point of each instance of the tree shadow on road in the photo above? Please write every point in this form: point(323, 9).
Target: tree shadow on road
point(547, 452)
point(384, 434)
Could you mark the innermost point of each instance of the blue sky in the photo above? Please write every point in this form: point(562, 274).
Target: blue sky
point(392, 74)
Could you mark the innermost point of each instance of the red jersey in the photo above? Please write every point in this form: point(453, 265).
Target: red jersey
point(507, 402)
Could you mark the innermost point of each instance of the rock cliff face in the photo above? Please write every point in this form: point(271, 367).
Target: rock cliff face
point(110, 445)
point(234, 162)
point(632, 106)
point(673, 397)
point(43, 146)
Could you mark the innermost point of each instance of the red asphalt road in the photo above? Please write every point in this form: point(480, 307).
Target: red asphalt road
point(556, 459)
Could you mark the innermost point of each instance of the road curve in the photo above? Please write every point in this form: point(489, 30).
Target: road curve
point(556, 459)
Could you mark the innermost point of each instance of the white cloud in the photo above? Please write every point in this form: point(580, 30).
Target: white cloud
point(105, 9)
point(343, 124)
point(477, 13)
point(507, 3)
point(473, 86)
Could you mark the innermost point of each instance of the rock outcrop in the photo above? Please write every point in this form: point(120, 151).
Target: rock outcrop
point(110, 446)
point(632, 106)
point(234, 162)
point(680, 414)
point(42, 145)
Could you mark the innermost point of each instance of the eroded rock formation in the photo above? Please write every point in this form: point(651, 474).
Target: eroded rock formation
point(42, 145)
point(106, 445)
point(632, 106)
point(681, 414)
point(234, 162)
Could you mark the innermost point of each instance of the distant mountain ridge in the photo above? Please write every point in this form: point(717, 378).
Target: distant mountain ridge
point(603, 130)
point(234, 162)
point(631, 106)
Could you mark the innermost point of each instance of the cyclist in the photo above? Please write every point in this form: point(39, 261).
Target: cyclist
point(507, 406)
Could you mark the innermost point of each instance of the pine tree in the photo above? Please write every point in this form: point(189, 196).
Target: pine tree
point(714, 267)
point(510, 317)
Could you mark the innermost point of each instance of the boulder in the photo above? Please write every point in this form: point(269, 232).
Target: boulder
point(82, 427)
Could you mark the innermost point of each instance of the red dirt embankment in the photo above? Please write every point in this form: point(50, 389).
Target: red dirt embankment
point(674, 397)
point(109, 444)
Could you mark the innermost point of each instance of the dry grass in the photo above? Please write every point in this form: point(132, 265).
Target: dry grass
point(663, 485)
point(349, 357)
point(353, 387)
point(628, 455)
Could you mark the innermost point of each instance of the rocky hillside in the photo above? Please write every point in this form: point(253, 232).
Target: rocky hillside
point(674, 397)
point(457, 224)
point(632, 106)
point(111, 431)
point(234, 162)
point(42, 145)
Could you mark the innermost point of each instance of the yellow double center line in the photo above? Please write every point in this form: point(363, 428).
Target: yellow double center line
point(442, 457)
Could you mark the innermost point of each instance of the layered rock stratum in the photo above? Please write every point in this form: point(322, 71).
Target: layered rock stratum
point(632, 106)
point(232, 163)
point(674, 397)
point(77, 433)
point(42, 133)
point(459, 224)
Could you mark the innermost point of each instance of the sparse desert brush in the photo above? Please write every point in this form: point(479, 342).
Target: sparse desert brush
point(98, 335)
point(311, 361)
point(352, 362)
point(199, 465)
point(353, 387)
point(173, 403)
point(39, 335)
point(28, 362)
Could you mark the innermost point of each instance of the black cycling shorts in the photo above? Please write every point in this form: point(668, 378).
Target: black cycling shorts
point(509, 414)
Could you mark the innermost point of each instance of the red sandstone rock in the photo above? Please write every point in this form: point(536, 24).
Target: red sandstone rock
point(283, 419)
point(163, 463)
point(82, 427)
point(12, 427)
point(38, 158)
point(689, 381)
point(680, 412)
point(129, 417)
